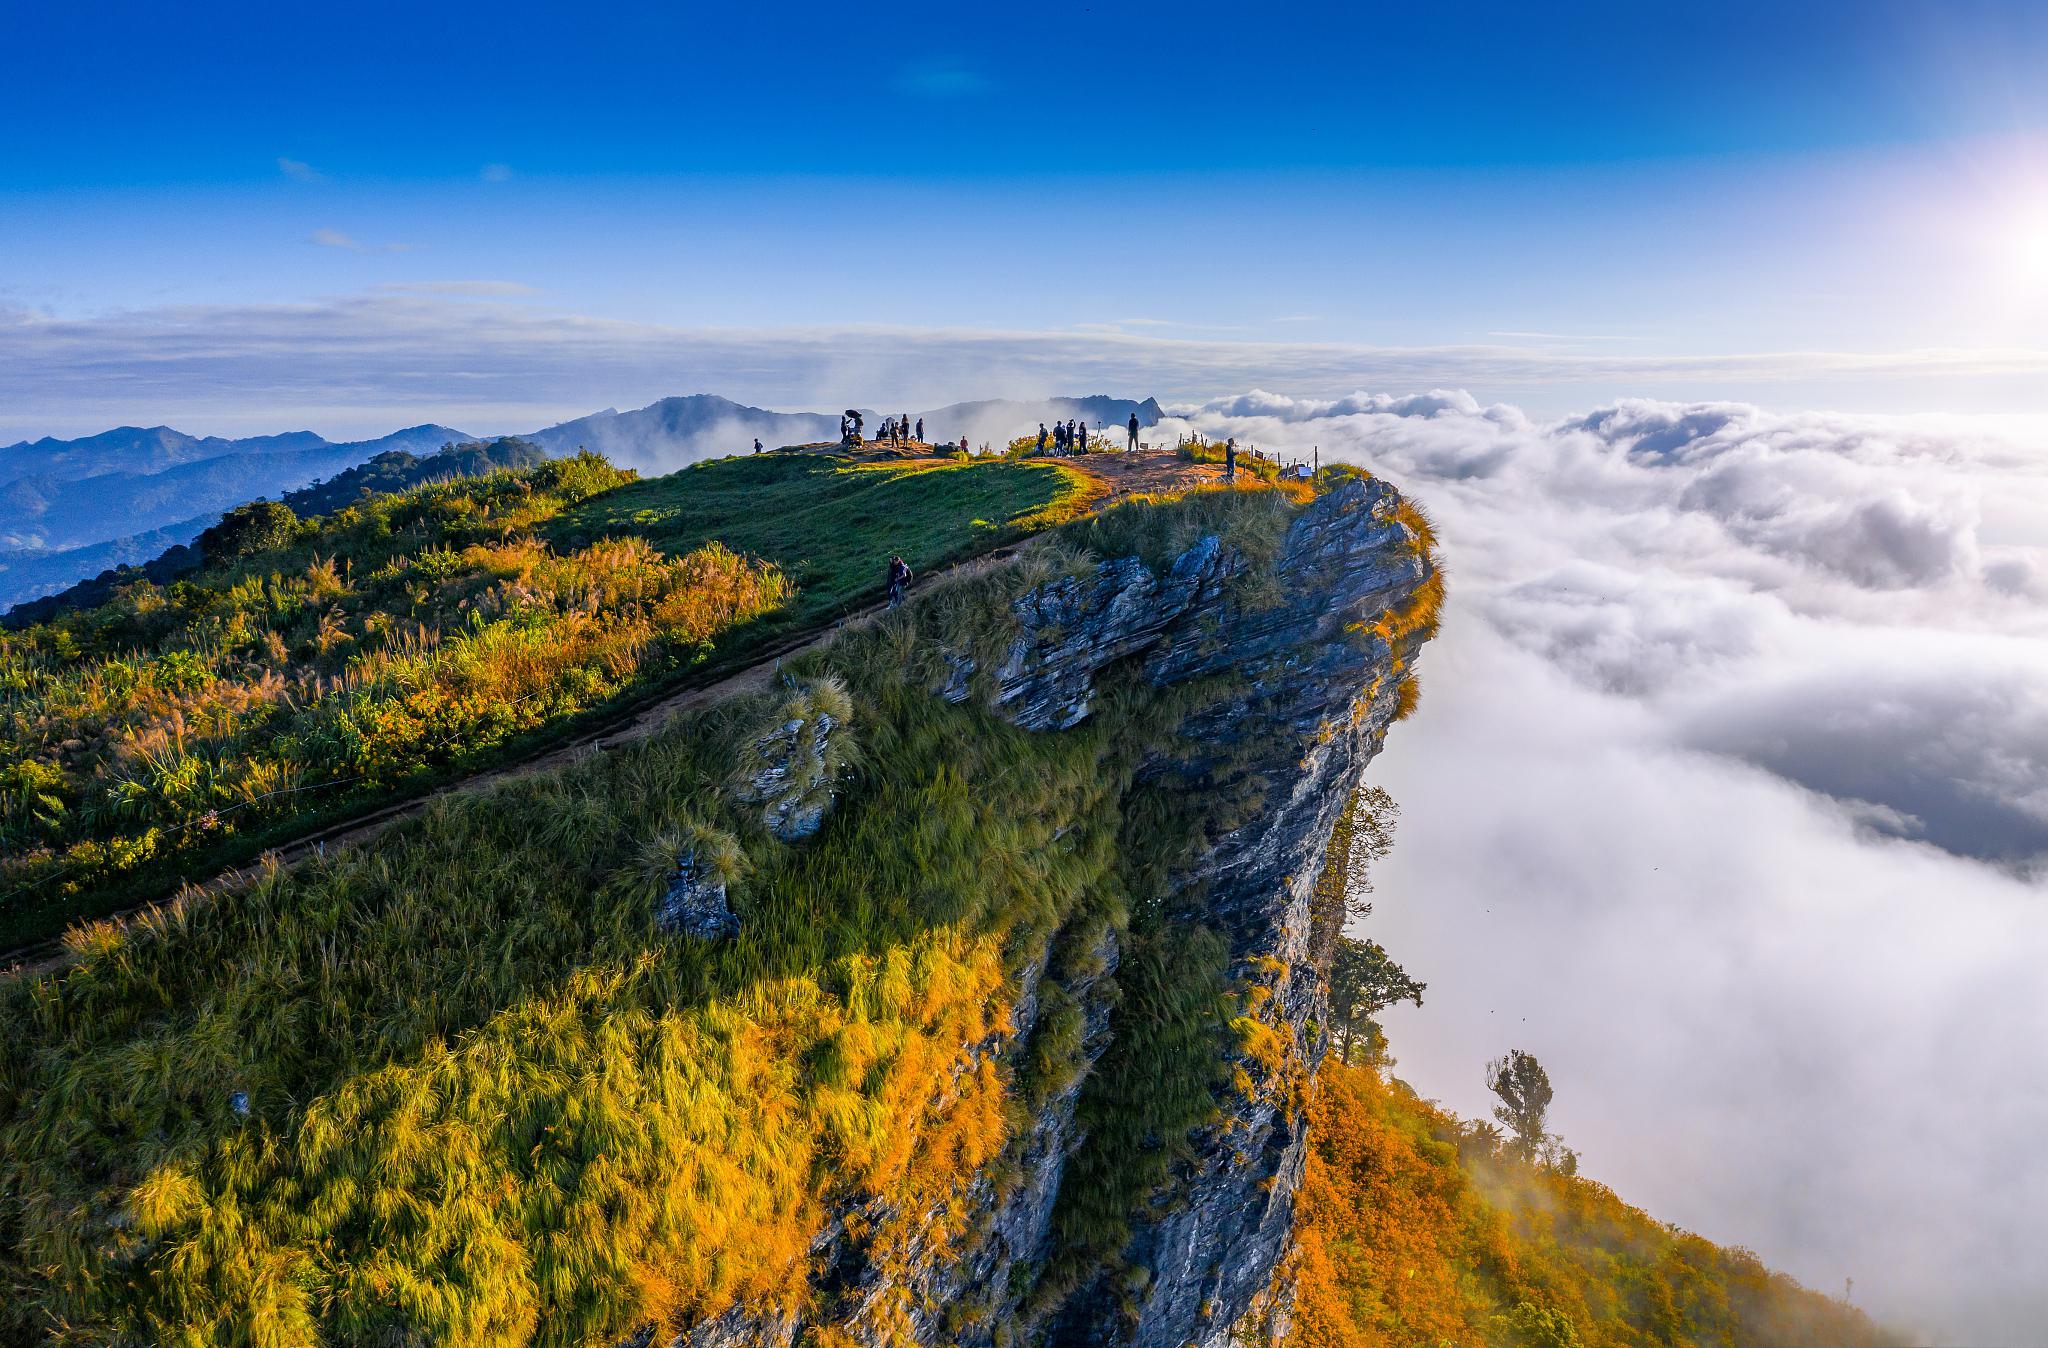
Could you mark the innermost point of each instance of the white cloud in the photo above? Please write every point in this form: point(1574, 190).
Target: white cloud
point(384, 359)
point(299, 171)
point(334, 238)
point(1728, 797)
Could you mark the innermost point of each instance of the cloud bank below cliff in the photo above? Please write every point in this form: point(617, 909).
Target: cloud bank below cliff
point(1729, 798)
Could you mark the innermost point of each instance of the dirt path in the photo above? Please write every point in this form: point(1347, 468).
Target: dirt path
point(1120, 475)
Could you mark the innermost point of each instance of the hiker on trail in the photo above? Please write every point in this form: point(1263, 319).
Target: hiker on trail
point(920, 428)
point(757, 444)
point(899, 579)
point(963, 444)
point(1081, 439)
point(1041, 437)
point(1230, 459)
point(1133, 443)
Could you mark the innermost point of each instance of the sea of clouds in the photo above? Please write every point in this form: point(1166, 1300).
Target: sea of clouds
point(1728, 798)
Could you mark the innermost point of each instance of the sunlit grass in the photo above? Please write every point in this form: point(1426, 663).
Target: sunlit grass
point(424, 633)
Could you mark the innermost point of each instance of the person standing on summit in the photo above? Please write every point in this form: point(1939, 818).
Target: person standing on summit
point(1132, 443)
point(920, 430)
point(1041, 437)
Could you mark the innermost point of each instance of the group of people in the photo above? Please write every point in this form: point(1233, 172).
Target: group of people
point(1065, 437)
point(898, 431)
point(1071, 437)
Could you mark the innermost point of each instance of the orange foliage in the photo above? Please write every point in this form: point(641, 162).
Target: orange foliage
point(1411, 1233)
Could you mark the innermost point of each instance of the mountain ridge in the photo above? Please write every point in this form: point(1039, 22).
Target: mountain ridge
point(165, 485)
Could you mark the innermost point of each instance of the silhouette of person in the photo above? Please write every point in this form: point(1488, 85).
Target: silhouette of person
point(1133, 442)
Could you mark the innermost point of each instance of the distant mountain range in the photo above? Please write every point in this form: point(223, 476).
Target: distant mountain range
point(58, 494)
point(71, 509)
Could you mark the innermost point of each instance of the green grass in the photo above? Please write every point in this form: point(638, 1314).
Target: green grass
point(381, 651)
point(830, 525)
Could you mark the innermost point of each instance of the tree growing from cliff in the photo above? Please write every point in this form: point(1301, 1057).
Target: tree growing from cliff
point(1524, 1090)
point(1374, 813)
point(1364, 981)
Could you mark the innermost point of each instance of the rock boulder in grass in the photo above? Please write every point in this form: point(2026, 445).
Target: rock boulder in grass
point(792, 769)
point(695, 903)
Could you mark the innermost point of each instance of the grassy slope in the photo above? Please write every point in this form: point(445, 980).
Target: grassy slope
point(210, 747)
point(490, 1104)
point(829, 526)
point(1414, 1232)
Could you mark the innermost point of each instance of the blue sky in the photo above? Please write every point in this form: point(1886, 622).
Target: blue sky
point(1594, 188)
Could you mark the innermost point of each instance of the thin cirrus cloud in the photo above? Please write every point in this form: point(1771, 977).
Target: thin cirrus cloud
point(334, 238)
point(495, 173)
point(298, 170)
point(1728, 798)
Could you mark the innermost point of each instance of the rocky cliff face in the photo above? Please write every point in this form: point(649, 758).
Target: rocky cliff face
point(1308, 677)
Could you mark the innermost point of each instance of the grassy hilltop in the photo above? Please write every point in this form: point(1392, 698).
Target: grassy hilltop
point(317, 667)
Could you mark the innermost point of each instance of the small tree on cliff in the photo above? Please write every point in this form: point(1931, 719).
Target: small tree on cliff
point(1524, 1090)
point(1374, 814)
point(1363, 983)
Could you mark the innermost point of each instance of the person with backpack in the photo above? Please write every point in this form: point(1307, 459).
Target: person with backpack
point(1041, 437)
point(920, 430)
point(899, 579)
